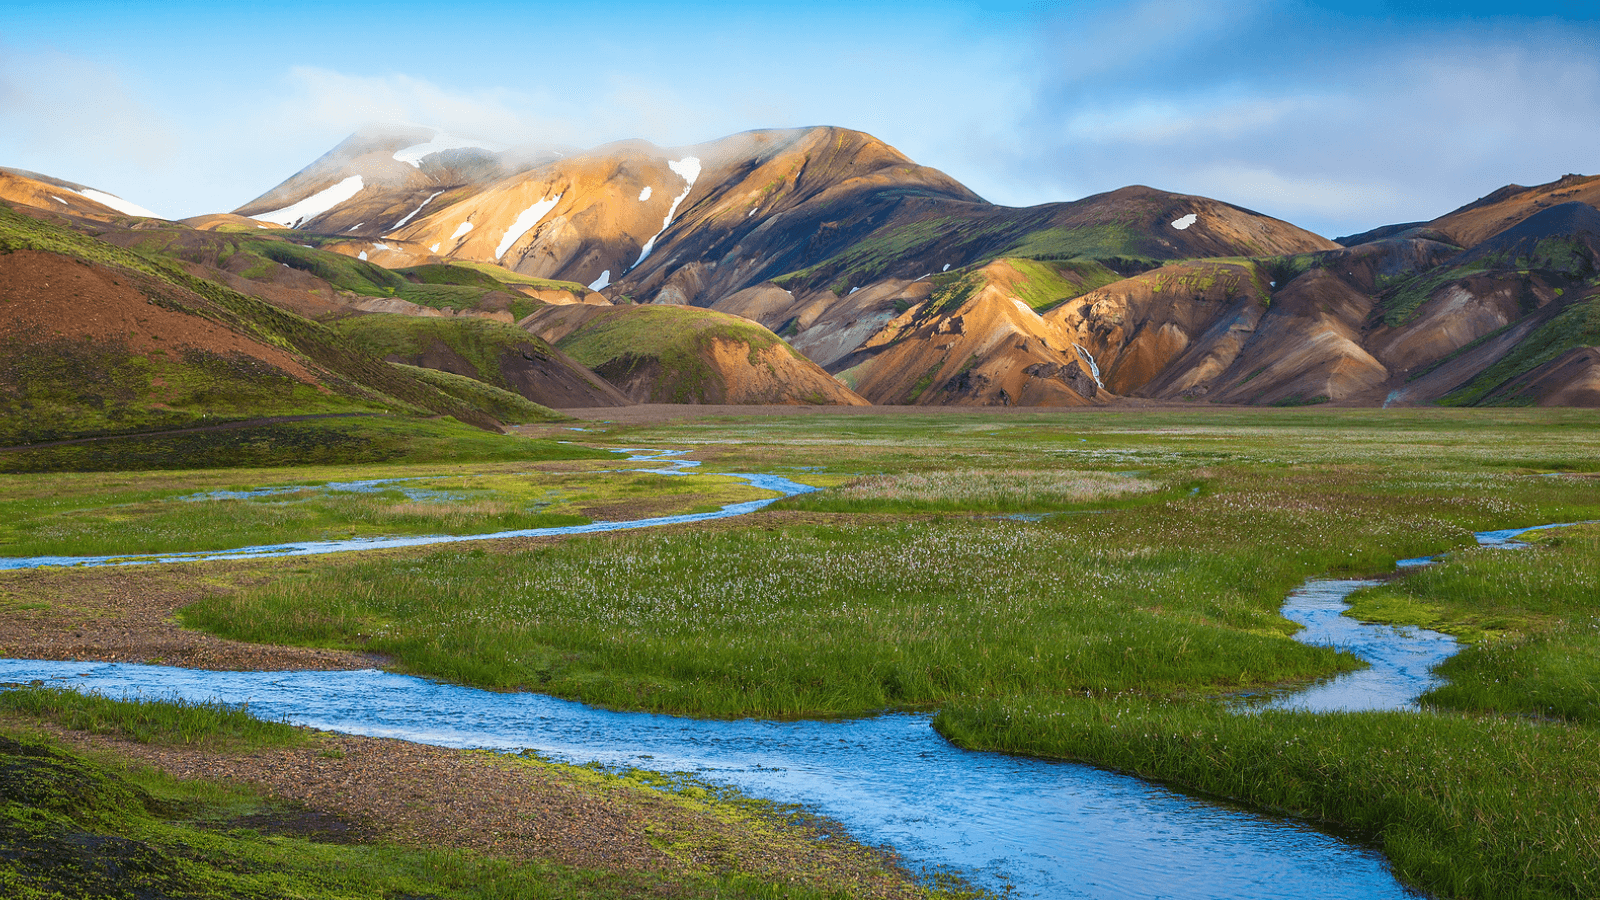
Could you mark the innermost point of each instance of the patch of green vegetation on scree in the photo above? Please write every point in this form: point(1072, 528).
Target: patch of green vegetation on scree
point(344, 272)
point(1576, 326)
point(481, 342)
point(1049, 284)
point(510, 408)
point(676, 338)
point(1085, 242)
point(507, 276)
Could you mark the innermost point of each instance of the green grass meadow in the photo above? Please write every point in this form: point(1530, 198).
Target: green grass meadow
point(1093, 585)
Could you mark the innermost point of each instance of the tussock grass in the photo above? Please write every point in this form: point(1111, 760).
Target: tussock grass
point(984, 490)
point(1465, 807)
point(316, 442)
point(76, 515)
point(506, 406)
point(152, 721)
point(1152, 605)
point(1532, 618)
point(802, 621)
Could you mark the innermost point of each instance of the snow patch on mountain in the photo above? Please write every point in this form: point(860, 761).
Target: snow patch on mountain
point(1185, 222)
point(601, 282)
point(688, 169)
point(362, 256)
point(416, 153)
point(314, 205)
point(117, 203)
point(434, 249)
point(417, 210)
point(529, 218)
point(461, 229)
point(644, 194)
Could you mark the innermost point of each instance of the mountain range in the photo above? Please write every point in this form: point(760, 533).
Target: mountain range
point(813, 265)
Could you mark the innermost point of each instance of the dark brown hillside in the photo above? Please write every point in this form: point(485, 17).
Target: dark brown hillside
point(102, 341)
point(1483, 218)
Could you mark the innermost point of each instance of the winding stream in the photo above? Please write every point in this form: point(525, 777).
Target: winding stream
point(1400, 658)
point(1020, 826)
point(783, 487)
point(1047, 829)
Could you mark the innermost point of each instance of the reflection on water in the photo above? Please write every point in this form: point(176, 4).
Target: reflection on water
point(1046, 829)
point(1400, 658)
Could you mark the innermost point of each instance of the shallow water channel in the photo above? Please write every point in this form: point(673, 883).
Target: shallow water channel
point(783, 487)
point(1046, 829)
point(1019, 826)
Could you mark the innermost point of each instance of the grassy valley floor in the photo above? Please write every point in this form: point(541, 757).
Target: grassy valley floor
point(1087, 585)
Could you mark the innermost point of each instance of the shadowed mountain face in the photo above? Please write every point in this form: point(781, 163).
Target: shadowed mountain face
point(103, 341)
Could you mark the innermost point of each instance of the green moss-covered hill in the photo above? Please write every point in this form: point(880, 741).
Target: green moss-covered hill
point(103, 341)
point(503, 356)
point(676, 354)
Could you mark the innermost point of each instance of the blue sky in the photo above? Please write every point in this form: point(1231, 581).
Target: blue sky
point(1335, 116)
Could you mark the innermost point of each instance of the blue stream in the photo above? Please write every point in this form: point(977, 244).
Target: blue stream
point(782, 486)
point(1021, 826)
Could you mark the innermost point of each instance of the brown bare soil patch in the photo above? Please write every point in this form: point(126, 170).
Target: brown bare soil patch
point(44, 295)
point(356, 788)
point(127, 614)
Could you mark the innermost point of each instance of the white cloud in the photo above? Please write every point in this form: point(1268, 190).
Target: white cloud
point(1258, 187)
point(1337, 135)
point(1335, 122)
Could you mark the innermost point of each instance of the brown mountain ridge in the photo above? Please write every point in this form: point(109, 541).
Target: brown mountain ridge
point(851, 259)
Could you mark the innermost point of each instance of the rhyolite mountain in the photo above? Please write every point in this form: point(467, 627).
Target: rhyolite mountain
point(900, 282)
point(911, 289)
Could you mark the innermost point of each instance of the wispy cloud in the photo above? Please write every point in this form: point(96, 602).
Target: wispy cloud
point(1333, 124)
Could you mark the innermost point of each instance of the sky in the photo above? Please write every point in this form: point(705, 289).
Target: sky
point(1337, 117)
